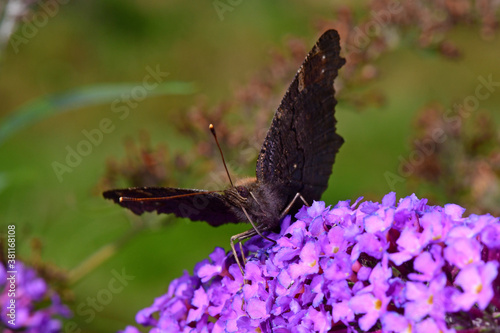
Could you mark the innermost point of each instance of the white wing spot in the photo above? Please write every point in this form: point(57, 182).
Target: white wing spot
point(301, 81)
point(323, 57)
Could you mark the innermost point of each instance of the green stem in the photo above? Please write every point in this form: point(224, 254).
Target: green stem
point(99, 257)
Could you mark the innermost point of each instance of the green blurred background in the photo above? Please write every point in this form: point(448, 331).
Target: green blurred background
point(88, 43)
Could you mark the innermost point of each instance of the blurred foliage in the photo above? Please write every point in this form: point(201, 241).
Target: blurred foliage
point(407, 65)
point(51, 105)
point(458, 159)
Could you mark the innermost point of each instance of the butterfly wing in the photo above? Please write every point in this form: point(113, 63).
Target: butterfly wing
point(199, 206)
point(300, 147)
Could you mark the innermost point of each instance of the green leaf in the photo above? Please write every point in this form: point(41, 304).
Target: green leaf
point(53, 104)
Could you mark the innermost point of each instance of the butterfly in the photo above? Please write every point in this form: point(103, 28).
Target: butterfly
point(293, 167)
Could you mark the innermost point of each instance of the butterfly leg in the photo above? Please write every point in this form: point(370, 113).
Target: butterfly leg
point(237, 239)
point(242, 253)
point(244, 235)
point(287, 209)
point(255, 227)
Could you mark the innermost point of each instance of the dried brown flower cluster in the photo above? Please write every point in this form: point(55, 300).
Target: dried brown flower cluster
point(462, 162)
point(385, 23)
point(142, 165)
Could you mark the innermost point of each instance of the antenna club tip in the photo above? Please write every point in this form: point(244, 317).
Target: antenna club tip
point(212, 129)
point(121, 199)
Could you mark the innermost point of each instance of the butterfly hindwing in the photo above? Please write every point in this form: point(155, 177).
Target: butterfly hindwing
point(300, 147)
point(204, 206)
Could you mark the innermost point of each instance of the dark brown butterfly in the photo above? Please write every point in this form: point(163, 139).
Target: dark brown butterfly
point(295, 161)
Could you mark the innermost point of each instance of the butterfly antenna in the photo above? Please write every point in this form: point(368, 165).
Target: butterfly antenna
point(123, 199)
point(212, 129)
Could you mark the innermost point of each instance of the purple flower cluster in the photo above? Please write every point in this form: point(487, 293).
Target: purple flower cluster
point(377, 267)
point(23, 301)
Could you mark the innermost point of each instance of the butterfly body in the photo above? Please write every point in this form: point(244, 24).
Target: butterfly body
point(262, 202)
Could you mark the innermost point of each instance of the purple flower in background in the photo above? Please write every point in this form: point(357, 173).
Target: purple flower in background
point(391, 267)
point(27, 303)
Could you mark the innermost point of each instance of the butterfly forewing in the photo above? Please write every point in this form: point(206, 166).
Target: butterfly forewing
point(203, 206)
point(301, 144)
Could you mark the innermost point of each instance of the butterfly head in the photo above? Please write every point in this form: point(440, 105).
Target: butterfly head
point(243, 192)
point(238, 195)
